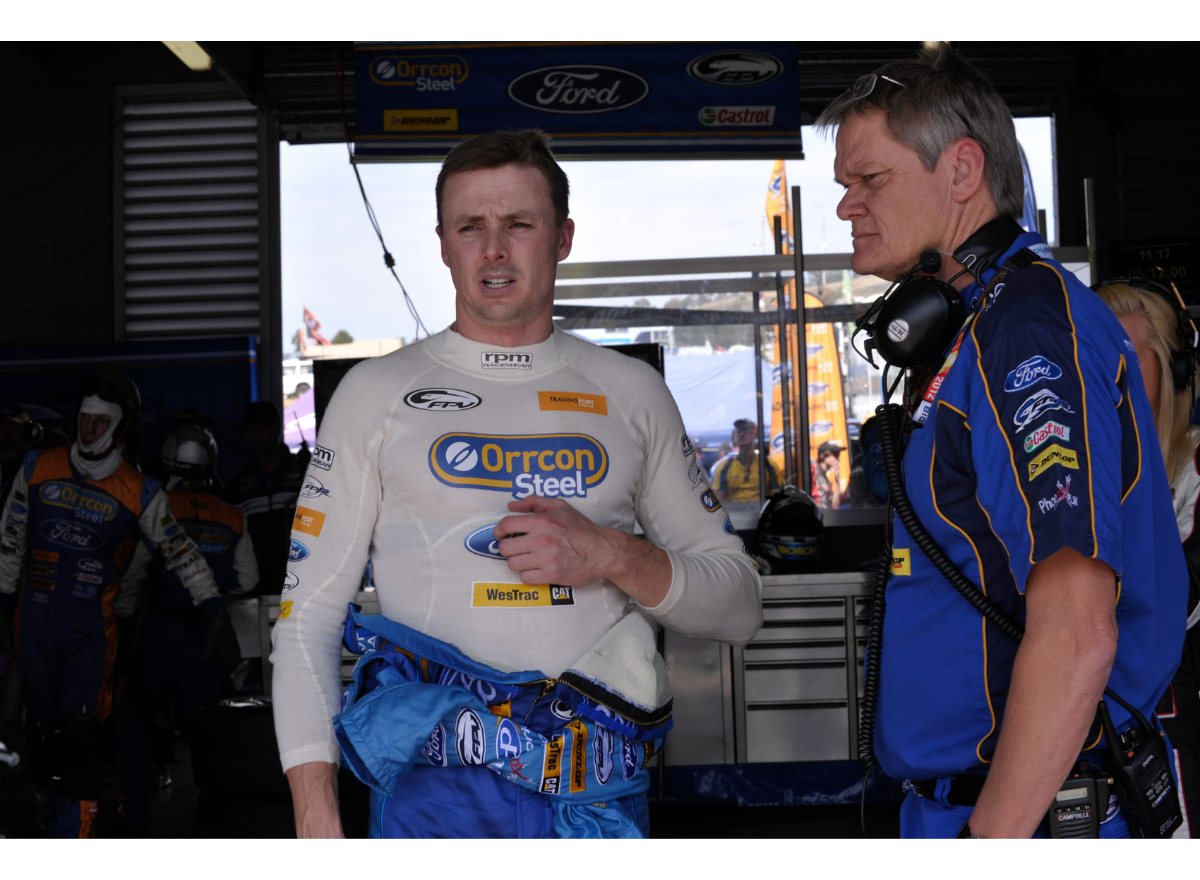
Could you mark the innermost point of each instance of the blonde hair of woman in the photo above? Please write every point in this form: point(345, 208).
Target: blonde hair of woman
point(1152, 324)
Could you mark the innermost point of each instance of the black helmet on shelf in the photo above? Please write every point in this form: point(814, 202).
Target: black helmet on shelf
point(190, 451)
point(790, 530)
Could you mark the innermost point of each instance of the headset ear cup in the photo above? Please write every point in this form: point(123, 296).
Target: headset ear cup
point(1183, 368)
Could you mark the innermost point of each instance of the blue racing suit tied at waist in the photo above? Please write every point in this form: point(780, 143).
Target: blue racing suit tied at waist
point(417, 700)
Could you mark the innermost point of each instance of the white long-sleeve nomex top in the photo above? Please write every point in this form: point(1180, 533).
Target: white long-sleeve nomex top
point(418, 455)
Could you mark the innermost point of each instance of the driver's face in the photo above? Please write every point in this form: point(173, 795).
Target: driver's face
point(501, 243)
point(92, 427)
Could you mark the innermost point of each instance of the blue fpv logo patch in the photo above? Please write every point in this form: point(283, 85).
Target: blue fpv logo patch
point(1031, 372)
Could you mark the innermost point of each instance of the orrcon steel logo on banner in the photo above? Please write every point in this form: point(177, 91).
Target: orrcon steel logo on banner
point(578, 88)
point(735, 68)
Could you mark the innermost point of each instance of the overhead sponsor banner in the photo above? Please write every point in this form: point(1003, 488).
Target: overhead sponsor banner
point(417, 101)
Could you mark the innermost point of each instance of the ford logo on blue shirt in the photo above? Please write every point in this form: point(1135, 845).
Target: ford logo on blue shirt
point(482, 542)
point(1031, 372)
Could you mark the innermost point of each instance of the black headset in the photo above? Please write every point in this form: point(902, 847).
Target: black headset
point(1183, 360)
point(916, 319)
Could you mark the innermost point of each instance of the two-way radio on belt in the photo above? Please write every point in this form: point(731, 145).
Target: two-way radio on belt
point(1138, 760)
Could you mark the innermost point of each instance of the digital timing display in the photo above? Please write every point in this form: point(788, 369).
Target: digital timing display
point(1163, 260)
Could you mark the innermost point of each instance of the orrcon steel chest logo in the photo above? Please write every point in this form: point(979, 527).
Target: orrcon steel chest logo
point(578, 88)
point(735, 68)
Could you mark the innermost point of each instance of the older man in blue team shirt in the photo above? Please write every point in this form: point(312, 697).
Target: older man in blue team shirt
point(1032, 462)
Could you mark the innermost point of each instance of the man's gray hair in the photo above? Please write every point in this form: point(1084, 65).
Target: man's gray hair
point(935, 100)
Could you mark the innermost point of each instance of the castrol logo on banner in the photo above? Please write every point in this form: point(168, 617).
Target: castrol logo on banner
point(720, 116)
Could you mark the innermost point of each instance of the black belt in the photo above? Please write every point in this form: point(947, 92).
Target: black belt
point(964, 790)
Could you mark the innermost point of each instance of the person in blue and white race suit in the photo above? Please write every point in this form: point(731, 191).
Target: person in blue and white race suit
point(1031, 461)
point(494, 473)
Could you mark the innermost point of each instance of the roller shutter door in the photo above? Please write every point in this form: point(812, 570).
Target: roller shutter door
point(194, 215)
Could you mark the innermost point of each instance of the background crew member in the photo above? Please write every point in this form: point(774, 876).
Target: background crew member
point(1151, 318)
point(16, 436)
point(67, 533)
point(266, 490)
point(180, 657)
point(735, 477)
point(1034, 470)
point(424, 450)
point(829, 469)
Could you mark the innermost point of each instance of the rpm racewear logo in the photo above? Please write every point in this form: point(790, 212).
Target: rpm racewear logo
point(506, 360)
point(689, 448)
point(734, 116)
point(87, 504)
point(469, 738)
point(1038, 403)
point(483, 542)
point(508, 739)
point(322, 458)
point(290, 582)
point(435, 749)
point(1031, 372)
point(735, 68)
point(578, 89)
point(548, 465)
point(74, 536)
point(425, 73)
point(442, 399)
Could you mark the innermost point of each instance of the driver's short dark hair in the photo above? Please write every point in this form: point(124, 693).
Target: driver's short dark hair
point(744, 425)
point(525, 147)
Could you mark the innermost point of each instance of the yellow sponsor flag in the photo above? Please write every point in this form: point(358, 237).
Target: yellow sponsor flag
point(826, 402)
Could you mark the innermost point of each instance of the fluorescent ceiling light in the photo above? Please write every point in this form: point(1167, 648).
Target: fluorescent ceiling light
point(190, 53)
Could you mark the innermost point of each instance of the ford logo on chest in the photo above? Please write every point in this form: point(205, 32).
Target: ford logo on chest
point(578, 88)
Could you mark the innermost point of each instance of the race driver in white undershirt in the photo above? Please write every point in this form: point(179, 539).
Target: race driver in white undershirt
point(499, 424)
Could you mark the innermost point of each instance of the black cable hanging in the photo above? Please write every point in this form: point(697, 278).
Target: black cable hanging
point(388, 259)
point(61, 174)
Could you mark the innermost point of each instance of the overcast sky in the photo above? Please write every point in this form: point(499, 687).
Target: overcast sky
point(332, 262)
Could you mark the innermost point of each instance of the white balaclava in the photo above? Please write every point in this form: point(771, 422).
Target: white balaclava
point(98, 456)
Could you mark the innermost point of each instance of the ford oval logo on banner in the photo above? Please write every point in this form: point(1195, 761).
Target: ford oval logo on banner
point(578, 88)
